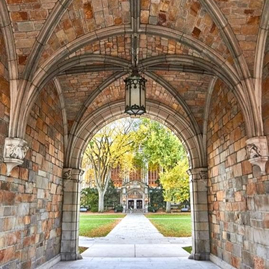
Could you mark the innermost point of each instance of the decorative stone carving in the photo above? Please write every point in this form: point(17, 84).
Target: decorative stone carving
point(81, 172)
point(73, 174)
point(257, 151)
point(198, 173)
point(203, 174)
point(67, 173)
point(14, 152)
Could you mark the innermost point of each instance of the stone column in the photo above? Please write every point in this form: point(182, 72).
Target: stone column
point(70, 219)
point(199, 212)
point(124, 199)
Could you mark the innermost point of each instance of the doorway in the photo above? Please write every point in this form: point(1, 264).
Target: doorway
point(139, 204)
point(130, 204)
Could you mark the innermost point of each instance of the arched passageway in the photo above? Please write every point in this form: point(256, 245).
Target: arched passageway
point(62, 70)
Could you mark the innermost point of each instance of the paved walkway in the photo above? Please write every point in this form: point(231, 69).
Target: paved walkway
point(135, 243)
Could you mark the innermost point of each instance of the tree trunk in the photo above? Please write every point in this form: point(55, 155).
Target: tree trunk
point(101, 199)
point(168, 207)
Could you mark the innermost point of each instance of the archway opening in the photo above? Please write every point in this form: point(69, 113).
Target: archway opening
point(143, 170)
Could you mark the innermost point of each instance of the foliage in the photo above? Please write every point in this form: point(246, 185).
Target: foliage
point(152, 209)
point(156, 199)
point(89, 198)
point(175, 225)
point(119, 208)
point(112, 196)
point(175, 183)
point(105, 151)
point(158, 145)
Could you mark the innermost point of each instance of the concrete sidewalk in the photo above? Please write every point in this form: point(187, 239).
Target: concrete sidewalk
point(135, 243)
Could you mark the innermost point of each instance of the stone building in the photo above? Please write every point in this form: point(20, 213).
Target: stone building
point(62, 70)
point(134, 187)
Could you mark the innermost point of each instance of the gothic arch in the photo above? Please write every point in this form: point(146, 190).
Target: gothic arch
point(157, 111)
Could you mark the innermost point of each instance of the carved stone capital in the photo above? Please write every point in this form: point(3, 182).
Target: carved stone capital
point(198, 173)
point(14, 152)
point(67, 173)
point(257, 151)
point(73, 174)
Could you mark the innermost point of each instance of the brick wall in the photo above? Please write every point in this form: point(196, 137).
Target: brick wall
point(31, 198)
point(238, 195)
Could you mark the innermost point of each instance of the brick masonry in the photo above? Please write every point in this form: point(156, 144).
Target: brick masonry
point(31, 198)
point(238, 194)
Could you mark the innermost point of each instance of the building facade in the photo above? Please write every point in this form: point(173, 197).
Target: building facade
point(134, 188)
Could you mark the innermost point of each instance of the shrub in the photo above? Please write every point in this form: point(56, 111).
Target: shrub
point(118, 208)
point(94, 208)
point(152, 209)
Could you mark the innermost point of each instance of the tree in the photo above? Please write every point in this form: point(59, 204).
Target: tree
point(112, 196)
point(105, 151)
point(175, 183)
point(89, 198)
point(160, 146)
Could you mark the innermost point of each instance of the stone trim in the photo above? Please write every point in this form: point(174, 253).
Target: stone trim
point(228, 35)
point(179, 98)
point(14, 152)
point(50, 263)
point(257, 152)
point(63, 109)
point(51, 23)
point(221, 263)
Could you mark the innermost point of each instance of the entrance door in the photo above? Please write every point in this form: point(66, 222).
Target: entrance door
point(130, 204)
point(139, 204)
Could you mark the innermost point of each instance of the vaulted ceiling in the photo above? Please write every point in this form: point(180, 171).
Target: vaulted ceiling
point(89, 46)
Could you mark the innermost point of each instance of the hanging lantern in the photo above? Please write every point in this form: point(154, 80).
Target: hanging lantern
point(135, 102)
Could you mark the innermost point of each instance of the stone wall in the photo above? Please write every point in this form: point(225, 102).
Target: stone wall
point(31, 198)
point(238, 194)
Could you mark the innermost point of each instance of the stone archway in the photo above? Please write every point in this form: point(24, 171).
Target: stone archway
point(198, 173)
point(62, 65)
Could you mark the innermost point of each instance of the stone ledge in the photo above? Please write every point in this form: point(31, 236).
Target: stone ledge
point(50, 263)
point(221, 263)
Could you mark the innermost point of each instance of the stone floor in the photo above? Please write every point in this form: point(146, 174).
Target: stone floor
point(135, 243)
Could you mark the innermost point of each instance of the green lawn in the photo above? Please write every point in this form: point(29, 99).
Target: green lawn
point(98, 225)
point(174, 225)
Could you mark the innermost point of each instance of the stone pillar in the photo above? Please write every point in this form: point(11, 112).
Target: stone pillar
point(199, 212)
point(146, 200)
point(70, 219)
point(124, 199)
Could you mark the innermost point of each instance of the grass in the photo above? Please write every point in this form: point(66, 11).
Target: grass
point(98, 225)
point(188, 249)
point(82, 249)
point(172, 225)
